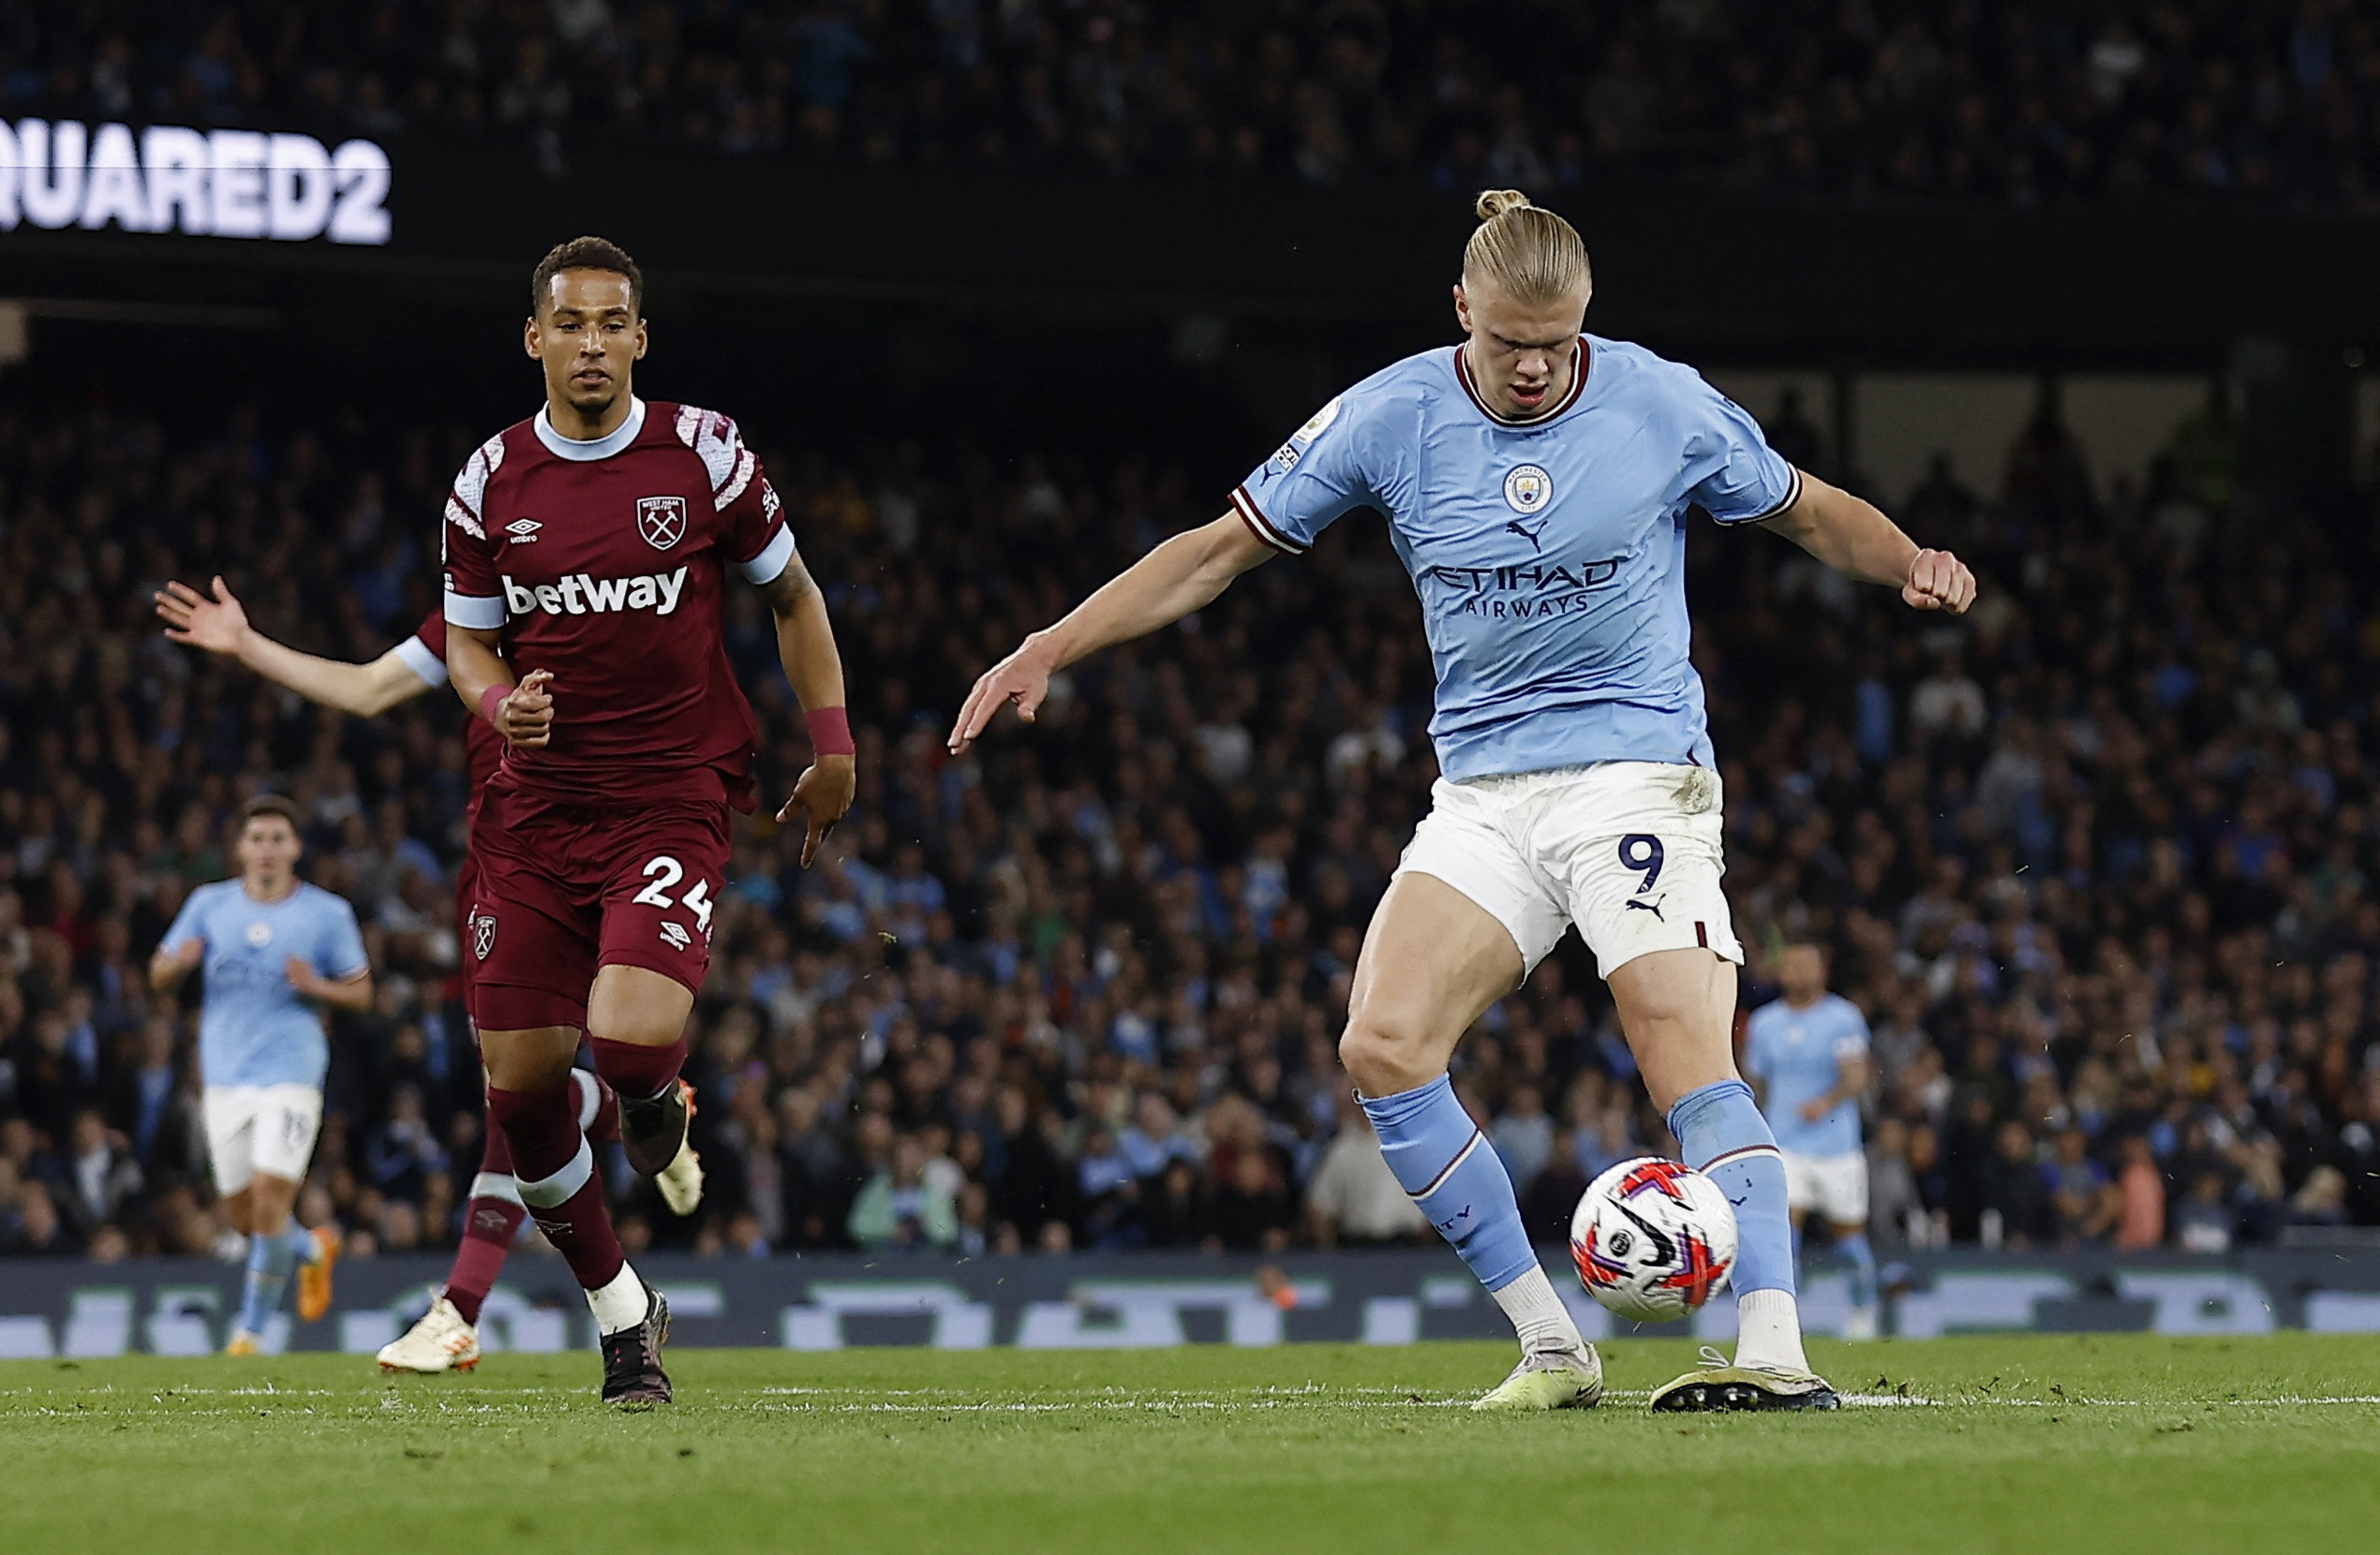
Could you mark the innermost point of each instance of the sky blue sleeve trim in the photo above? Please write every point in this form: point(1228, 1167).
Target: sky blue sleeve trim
point(418, 658)
point(472, 614)
point(768, 565)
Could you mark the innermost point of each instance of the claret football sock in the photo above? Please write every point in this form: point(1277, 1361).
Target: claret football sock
point(556, 1169)
point(1721, 1133)
point(1452, 1172)
point(491, 1221)
point(638, 1071)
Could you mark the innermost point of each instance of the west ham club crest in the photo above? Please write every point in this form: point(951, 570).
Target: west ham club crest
point(662, 520)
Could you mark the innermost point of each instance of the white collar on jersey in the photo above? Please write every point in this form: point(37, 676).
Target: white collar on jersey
point(594, 448)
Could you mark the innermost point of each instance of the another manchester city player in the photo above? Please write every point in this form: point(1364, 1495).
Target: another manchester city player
point(1537, 482)
point(274, 949)
point(1808, 1050)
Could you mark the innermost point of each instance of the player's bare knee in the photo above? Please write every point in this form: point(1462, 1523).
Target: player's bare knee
point(1384, 1055)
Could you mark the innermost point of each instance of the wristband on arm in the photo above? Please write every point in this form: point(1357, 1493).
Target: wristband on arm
point(830, 731)
point(491, 700)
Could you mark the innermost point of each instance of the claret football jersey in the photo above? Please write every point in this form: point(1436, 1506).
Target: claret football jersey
point(604, 562)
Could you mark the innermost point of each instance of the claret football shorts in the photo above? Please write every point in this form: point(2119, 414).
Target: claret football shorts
point(1628, 850)
point(563, 891)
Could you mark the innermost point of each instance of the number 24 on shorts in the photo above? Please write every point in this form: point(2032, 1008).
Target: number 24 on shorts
point(696, 901)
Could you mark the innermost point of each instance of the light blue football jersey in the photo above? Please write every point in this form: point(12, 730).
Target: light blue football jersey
point(254, 1029)
point(1797, 1055)
point(1549, 554)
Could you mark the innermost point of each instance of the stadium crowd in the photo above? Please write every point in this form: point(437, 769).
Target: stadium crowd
point(2266, 101)
point(2099, 861)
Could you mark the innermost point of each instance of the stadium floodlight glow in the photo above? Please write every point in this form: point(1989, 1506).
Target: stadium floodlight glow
point(164, 178)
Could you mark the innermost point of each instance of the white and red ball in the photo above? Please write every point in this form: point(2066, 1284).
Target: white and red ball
point(1653, 1239)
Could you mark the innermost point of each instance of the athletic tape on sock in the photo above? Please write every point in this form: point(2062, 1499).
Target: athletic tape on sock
point(500, 1186)
point(545, 1192)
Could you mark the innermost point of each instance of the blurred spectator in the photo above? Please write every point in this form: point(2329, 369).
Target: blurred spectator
point(2022, 105)
point(901, 1207)
point(1353, 1196)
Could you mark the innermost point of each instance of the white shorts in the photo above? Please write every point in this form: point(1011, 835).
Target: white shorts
point(1833, 1186)
point(252, 1129)
point(1628, 850)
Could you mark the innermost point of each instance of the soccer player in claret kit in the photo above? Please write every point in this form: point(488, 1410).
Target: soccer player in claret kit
point(446, 1336)
point(1536, 482)
point(591, 548)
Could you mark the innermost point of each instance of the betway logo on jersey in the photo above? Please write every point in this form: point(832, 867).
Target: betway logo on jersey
point(580, 595)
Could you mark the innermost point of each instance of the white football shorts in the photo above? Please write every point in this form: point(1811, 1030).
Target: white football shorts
point(252, 1129)
point(1833, 1186)
point(1628, 850)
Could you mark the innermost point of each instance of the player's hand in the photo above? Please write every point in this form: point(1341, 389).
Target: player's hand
point(821, 798)
point(1021, 679)
point(215, 621)
point(526, 717)
point(191, 952)
point(1815, 1108)
point(1939, 581)
point(304, 978)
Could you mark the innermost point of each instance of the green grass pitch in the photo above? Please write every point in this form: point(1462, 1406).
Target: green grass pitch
point(2029, 1444)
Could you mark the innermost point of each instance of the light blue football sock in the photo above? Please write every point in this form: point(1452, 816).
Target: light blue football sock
point(1797, 1246)
point(298, 1243)
point(1723, 1135)
point(1853, 1248)
point(1455, 1177)
point(268, 1265)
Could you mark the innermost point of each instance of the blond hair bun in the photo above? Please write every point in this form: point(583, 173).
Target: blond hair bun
point(1532, 253)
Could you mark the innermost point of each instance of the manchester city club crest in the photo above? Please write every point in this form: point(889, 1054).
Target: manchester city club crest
point(483, 934)
point(662, 520)
point(1528, 488)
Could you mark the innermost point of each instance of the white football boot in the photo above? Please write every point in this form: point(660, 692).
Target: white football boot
point(1550, 1379)
point(440, 1342)
point(681, 1181)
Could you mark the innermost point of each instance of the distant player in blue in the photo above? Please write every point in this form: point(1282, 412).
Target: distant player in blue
point(1808, 1052)
point(1537, 483)
point(276, 950)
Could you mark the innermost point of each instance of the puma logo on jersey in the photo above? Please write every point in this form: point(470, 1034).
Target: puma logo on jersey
point(1653, 906)
point(1517, 528)
point(579, 594)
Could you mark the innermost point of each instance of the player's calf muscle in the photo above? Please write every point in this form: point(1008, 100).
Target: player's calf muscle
point(1676, 1008)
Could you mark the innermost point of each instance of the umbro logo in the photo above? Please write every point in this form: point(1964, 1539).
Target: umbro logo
point(524, 530)
point(676, 937)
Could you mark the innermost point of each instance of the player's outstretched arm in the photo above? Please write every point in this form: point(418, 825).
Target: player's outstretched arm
point(806, 646)
point(523, 713)
point(217, 622)
point(168, 968)
point(1184, 573)
point(1853, 537)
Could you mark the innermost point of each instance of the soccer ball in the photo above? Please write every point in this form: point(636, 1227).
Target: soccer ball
point(1652, 1238)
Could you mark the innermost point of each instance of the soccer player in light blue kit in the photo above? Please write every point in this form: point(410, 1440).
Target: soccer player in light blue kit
point(1808, 1050)
point(276, 949)
point(1537, 482)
